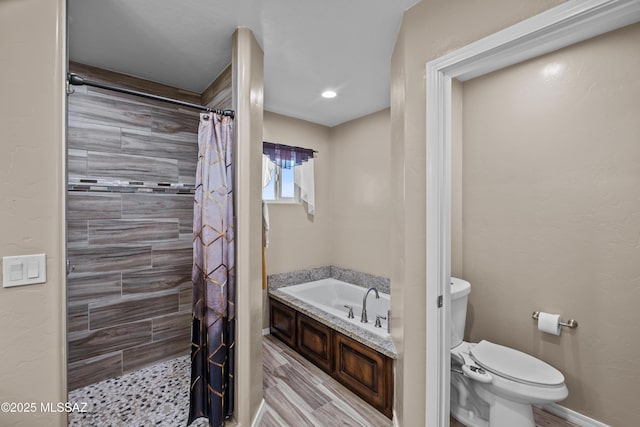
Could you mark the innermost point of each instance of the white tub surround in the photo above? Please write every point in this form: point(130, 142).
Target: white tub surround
point(279, 280)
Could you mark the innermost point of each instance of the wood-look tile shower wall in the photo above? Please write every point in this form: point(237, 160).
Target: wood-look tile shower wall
point(129, 297)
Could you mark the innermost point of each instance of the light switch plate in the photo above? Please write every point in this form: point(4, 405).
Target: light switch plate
point(15, 271)
point(24, 270)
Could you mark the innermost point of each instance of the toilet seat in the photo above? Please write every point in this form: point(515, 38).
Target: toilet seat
point(515, 365)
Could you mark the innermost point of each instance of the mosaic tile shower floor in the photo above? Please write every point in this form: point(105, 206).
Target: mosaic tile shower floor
point(153, 396)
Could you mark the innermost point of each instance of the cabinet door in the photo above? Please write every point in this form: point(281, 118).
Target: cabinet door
point(365, 371)
point(314, 342)
point(282, 322)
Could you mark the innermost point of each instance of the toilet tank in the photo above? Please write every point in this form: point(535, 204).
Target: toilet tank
point(460, 290)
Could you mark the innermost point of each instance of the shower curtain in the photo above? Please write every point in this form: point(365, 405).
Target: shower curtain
point(213, 275)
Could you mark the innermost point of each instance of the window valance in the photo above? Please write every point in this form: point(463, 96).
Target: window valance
point(286, 156)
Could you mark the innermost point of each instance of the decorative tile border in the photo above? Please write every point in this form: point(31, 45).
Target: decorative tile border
point(94, 188)
point(122, 186)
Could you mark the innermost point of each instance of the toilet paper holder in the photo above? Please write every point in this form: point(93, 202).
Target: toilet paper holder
point(571, 323)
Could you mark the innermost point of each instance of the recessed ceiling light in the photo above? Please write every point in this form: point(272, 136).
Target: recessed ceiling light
point(329, 94)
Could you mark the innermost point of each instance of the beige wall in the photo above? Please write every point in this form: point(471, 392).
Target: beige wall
point(551, 177)
point(351, 225)
point(360, 174)
point(350, 228)
point(296, 240)
point(248, 90)
point(32, 338)
point(429, 30)
point(287, 251)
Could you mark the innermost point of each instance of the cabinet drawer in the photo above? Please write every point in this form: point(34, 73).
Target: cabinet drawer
point(282, 322)
point(315, 342)
point(365, 371)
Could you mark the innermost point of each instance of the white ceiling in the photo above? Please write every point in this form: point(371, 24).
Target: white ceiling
point(309, 46)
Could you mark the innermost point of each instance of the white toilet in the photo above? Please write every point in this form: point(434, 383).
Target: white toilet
point(493, 385)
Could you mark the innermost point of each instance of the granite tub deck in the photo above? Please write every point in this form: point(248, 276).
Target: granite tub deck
point(383, 345)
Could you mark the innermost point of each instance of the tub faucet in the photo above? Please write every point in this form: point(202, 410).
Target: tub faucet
point(363, 317)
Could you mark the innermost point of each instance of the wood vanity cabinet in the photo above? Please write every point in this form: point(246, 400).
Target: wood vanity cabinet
point(364, 371)
point(315, 342)
point(361, 369)
point(282, 322)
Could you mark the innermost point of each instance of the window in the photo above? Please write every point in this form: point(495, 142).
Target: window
point(288, 175)
point(281, 187)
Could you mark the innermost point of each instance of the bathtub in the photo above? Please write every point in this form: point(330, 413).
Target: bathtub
point(312, 320)
point(331, 295)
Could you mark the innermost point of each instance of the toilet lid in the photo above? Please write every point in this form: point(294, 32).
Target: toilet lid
point(515, 365)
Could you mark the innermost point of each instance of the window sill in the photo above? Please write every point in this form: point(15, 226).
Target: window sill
point(283, 202)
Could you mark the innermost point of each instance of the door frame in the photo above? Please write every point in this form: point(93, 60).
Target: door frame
point(556, 28)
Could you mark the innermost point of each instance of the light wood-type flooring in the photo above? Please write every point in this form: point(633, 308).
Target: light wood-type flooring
point(300, 394)
point(297, 393)
point(542, 418)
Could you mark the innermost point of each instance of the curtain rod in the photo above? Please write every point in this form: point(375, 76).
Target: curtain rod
point(77, 80)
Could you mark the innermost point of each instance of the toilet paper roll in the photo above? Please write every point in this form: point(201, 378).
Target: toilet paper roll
point(549, 323)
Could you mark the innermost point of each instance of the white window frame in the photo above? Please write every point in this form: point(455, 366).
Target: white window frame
point(277, 185)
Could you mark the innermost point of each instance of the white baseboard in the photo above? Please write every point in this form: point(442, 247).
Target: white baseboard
point(259, 414)
point(395, 419)
point(266, 331)
point(572, 416)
